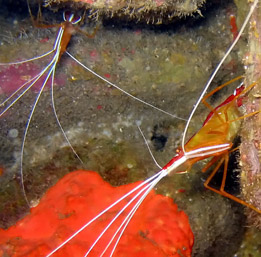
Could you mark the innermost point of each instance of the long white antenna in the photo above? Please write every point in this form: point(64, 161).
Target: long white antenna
point(252, 8)
point(147, 144)
point(123, 91)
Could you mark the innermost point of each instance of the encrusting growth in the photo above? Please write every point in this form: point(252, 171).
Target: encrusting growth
point(152, 11)
point(159, 228)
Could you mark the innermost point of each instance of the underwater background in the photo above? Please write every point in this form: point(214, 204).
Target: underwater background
point(166, 65)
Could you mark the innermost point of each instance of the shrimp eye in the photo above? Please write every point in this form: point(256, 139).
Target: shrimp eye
point(239, 89)
point(237, 92)
point(71, 17)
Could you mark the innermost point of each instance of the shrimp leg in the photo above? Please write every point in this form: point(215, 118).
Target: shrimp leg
point(221, 190)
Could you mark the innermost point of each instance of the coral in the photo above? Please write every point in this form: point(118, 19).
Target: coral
point(157, 229)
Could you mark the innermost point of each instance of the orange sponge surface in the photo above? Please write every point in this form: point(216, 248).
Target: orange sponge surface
point(157, 229)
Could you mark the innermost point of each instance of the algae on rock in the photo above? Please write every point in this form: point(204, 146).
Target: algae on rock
point(152, 11)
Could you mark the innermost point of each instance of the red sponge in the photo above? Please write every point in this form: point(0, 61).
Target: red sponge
point(157, 229)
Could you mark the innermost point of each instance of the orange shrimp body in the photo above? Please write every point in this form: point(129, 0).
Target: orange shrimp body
point(218, 127)
point(217, 130)
point(68, 29)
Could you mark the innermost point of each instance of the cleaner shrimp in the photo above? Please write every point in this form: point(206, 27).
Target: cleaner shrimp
point(47, 75)
point(214, 139)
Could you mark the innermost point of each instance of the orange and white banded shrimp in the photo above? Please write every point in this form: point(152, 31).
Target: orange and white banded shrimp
point(214, 139)
point(37, 77)
point(18, 78)
point(124, 63)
